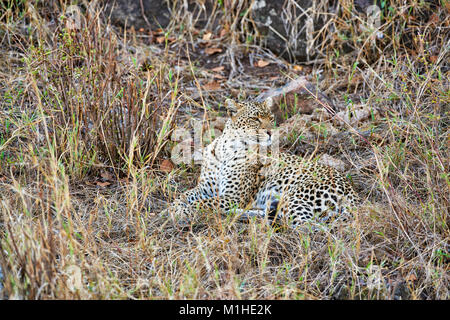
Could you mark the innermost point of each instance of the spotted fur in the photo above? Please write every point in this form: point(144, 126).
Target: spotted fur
point(294, 190)
point(233, 177)
point(230, 170)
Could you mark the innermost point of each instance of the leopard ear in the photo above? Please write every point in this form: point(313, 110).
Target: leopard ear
point(268, 102)
point(232, 107)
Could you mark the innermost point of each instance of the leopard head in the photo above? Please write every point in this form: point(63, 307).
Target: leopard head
point(250, 123)
point(250, 115)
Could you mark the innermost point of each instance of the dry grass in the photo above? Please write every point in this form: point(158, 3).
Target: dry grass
point(86, 117)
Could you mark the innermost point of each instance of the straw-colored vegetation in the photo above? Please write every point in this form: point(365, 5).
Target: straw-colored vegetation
point(86, 119)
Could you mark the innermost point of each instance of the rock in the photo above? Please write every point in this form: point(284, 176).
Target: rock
point(355, 115)
point(287, 26)
point(296, 124)
point(362, 5)
point(219, 123)
point(156, 14)
point(129, 13)
point(328, 160)
point(308, 126)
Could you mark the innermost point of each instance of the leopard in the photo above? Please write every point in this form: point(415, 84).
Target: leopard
point(238, 175)
point(229, 173)
point(294, 190)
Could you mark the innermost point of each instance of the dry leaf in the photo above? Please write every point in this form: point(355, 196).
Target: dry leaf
point(262, 63)
point(207, 36)
point(210, 51)
point(212, 86)
point(102, 184)
point(107, 176)
point(328, 160)
point(434, 19)
point(218, 69)
point(222, 33)
point(274, 78)
point(433, 59)
point(411, 277)
point(166, 166)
